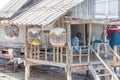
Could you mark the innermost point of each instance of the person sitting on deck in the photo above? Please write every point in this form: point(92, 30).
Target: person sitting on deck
point(14, 55)
point(76, 42)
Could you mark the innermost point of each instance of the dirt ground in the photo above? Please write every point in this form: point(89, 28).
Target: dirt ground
point(39, 73)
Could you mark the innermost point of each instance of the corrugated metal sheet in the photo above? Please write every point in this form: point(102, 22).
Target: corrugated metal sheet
point(11, 8)
point(45, 12)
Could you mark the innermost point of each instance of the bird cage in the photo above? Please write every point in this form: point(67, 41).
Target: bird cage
point(12, 32)
point(58, 37)
point(34, 36)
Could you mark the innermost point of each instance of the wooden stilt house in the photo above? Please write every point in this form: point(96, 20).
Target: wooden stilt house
point(65, 14)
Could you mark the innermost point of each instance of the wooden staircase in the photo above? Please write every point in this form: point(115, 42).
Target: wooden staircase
point(104, 69)
point(100, 72)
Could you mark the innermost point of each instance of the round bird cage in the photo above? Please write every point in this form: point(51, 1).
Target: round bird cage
point(34, 36)
point(12, 32)
point(58, 37)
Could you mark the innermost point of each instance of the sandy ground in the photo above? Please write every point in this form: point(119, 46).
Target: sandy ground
point(38, 74)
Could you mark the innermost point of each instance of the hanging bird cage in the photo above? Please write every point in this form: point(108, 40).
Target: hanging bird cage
point(12, 32)
point(34, 36)
point(58, 37)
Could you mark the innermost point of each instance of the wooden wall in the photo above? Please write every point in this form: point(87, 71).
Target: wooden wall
point(96, 9)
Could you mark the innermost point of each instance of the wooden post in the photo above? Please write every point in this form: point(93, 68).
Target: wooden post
point(38, 52)
point(69, 76)
point(27, 67)
point(54, 53)
point(57, 54)
point(105, 34)
point(31, 51)
point(84, 36)
point(80, 55)
point(61, 56)
point(89, 43)
point(34, 51)
point(46, 53)
point(115, 58)
point(26, 43)
point(27, 71)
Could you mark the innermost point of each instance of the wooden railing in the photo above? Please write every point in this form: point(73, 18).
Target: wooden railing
point(59, 54)
point(107, 53)
point(116, 57)
point(83, 55)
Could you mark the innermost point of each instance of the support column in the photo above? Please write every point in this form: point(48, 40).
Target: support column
point(90, 30)
point(26, 64)
point(89, 45)
point(68, 68)
point(27, 72)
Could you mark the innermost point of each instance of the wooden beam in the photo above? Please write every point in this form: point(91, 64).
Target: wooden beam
point(43, 62)
point(72, 22)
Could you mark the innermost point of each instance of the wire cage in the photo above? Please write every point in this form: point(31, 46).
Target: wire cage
point(58, 37)
point(34, 36)
point(12, 32)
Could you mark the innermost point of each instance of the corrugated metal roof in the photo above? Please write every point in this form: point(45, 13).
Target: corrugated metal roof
point(11, 8)
point(45, 12)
